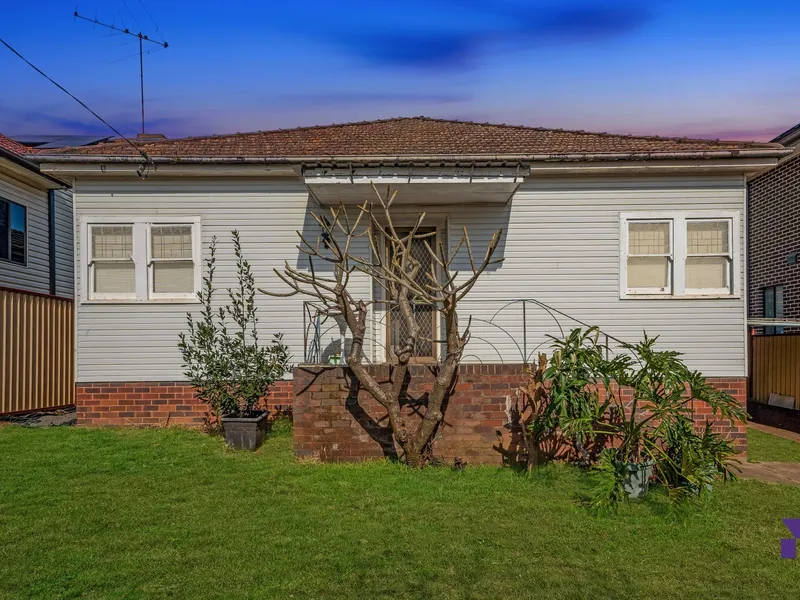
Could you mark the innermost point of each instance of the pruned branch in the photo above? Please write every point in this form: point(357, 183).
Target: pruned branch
point(407, 282)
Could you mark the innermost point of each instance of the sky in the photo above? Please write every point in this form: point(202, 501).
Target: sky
point(669, 67)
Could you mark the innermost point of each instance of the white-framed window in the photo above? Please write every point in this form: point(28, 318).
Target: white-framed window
point(138, 260)
point(709, 256)
point(679, 254)
point(173, 261)
point(111, 266)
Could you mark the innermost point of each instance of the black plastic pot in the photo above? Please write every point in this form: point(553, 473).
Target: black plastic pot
point(245, 433)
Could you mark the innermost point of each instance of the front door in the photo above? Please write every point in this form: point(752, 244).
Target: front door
point(425, 314)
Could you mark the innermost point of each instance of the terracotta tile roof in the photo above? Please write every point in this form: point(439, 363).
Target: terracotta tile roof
point(6, 143)
point(412, 136)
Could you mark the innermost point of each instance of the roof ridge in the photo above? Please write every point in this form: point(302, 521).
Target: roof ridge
point(649, 137)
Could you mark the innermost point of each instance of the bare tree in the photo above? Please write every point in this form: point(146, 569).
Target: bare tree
point(407, 282)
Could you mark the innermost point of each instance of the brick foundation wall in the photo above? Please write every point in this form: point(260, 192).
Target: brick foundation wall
point(335, 420)
point(156, 403)
point(774, 235)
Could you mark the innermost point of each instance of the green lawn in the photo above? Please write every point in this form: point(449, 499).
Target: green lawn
point(163, 513)
point(763, 447)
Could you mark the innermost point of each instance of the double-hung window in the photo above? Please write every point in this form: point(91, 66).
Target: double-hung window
point(112, 269)
point(136, 260)
point(709, 256)
point(679, 254)
point(650, 257)
point(13, 232)
point(172, 262)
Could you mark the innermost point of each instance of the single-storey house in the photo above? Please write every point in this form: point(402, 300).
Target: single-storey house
point(629, 233)
point(36, 284)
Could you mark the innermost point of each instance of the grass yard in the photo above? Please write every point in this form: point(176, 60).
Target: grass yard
point(763, 447)
point(103, 513)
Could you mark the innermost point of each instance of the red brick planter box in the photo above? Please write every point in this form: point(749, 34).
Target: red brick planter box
point(335, 420)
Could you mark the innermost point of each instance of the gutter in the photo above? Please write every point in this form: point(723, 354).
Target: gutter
point(51, 225)
point(424, 158)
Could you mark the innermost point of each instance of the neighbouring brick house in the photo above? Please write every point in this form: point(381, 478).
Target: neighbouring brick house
point(628, 233)
point(774, 238)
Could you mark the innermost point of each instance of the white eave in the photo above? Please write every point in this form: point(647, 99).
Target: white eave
point(420, 185)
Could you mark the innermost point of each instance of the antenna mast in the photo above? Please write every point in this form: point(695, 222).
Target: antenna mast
point(142, 38)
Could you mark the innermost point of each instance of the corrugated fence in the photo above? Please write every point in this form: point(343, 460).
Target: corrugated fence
point(775, 366)
point(37, 361)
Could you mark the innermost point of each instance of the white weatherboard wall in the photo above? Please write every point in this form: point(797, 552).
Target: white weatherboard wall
point(138, 341)
point(65, 268)
point(35, 275)
point(561, 247)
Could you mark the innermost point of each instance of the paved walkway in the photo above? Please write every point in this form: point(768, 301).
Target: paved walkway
point(772, 472)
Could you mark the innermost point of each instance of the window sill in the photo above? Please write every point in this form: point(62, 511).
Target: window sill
point(684, 297)
point(141, 302)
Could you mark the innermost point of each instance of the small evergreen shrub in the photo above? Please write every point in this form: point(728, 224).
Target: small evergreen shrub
point(222, 356)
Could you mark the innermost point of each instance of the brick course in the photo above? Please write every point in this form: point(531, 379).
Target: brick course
point(335, 420)
point(155, 403)
point(773, 234)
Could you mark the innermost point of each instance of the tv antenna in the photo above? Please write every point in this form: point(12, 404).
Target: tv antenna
point(142, 38)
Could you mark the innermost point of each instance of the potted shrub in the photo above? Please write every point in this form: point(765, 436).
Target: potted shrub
point(653, 431)
point(230, 370)
point(646, 433)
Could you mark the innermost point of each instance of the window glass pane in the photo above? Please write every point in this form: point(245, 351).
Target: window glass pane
point(707, 237)
point(17, 234)
point(648, 272)
point(173, 277)
point(114, 277)
point(769, 303)
point(110, 242)
point(4, 229)
point(778, 301)
point(707, 272)
point(424, 314)
point(648, 238)
point(172, 241)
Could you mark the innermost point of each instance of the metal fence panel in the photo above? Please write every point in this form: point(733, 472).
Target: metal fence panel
point(37, 360)
point(775, 366)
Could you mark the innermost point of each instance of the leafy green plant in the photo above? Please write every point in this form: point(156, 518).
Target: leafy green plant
point(229, 369)
point(655, 424)
point(694, 460)
point(578, 373)
point(639, 405)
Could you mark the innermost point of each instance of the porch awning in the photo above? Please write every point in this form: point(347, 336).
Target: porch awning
point(416, 185)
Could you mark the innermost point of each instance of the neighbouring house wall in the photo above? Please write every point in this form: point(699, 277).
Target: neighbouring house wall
point(774, 222)
point(561, 246)
point(35, 275)
point(65, 262)
point(335, 420)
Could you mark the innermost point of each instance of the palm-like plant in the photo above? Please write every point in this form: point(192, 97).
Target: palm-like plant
point(643, 402)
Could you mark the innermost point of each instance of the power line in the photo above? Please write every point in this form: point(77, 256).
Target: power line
point(78, 100)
